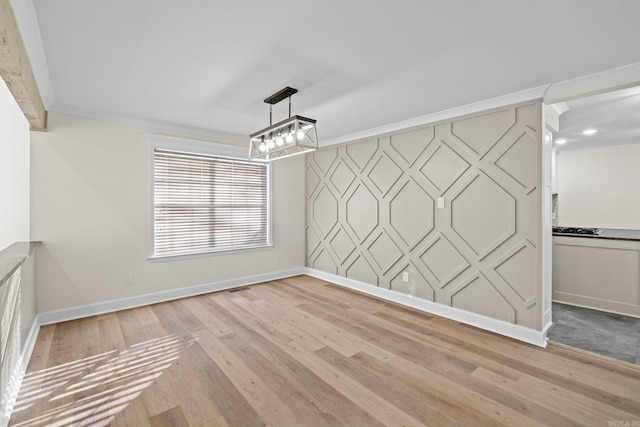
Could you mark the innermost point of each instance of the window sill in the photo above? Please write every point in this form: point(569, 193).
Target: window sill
point(166, 258)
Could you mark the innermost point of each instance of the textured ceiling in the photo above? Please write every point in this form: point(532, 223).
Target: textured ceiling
point(208, 65)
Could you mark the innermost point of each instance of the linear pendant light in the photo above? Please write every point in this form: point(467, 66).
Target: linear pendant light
point(294, 135)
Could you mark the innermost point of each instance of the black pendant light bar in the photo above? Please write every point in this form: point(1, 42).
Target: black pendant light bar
point(280, 95)
point(291, 136)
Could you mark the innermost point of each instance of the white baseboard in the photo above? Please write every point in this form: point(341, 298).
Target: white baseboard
point(30, 343)
point(517, 332)
point(142, 300)
point(521, 333)
point(121, 304)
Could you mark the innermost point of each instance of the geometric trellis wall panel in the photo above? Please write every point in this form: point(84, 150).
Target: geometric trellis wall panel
point(373, 212)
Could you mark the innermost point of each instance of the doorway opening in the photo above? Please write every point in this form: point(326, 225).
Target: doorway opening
point(595, 272)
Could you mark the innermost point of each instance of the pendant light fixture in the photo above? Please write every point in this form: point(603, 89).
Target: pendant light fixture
point(294, 135)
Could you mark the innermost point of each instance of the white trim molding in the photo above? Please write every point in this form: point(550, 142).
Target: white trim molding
point(593, 84)
point(608, 80)
point(79, 312)
point(521, 333)
point(150, 125)
point(30, 343)
point(198, 146)
point(476, 107)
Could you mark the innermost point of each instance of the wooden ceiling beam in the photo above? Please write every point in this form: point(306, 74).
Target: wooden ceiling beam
point(15, 70)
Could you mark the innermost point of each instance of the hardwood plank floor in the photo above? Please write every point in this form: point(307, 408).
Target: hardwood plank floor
point(303, 352)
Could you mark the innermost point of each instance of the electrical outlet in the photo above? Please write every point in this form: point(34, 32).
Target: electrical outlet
point(128, 279)
point(405, 276)
point(440, 202)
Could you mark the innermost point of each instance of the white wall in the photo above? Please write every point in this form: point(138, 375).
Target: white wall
point(14, 171)
point(90, 207)
point(600, 187)
point(17, 293)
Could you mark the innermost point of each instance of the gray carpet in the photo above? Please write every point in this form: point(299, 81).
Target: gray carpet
point(608, 334)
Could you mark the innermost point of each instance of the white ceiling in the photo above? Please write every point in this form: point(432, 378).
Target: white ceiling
point(206, 66)
point(615, 115)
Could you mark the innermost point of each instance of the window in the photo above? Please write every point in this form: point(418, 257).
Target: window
point(204, 203)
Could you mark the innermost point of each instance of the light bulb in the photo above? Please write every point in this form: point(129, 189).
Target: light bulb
point(300, 135)
point(279, 141)
point(561, 141)
point(263, 147)
point(270, 144)
point(289, 138)
point(589, 131)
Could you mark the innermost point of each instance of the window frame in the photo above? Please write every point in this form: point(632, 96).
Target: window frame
point(204, 148)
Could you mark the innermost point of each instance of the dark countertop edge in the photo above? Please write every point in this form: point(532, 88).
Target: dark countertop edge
point(609, 234)
point(13, 257)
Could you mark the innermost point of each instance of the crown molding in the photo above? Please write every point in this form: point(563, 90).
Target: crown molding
point(488, 104)
point(150, 125)
point(593, 84)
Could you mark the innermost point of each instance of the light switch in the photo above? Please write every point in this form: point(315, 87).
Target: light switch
point(405, 276)
point(440, 202)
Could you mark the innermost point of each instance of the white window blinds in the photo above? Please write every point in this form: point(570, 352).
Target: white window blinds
point(207, 204)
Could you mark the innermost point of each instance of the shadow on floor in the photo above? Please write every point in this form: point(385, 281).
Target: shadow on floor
point(608, 334)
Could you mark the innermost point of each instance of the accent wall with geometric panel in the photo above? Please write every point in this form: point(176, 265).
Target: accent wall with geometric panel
point(372, 212)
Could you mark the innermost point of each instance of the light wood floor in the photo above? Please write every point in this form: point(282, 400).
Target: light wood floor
point(301, 352)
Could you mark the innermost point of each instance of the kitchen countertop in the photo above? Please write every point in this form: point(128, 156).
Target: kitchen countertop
point(13, 256)
point(608, 233)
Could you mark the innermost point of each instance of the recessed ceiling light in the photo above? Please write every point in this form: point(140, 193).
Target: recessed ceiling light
point(589, 131)
point(561, 141)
